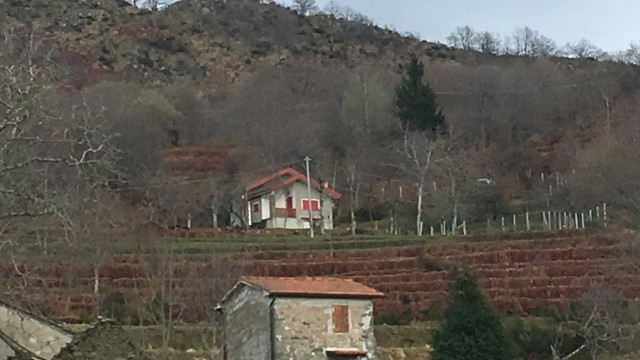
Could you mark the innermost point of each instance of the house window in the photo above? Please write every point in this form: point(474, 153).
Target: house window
point(315, 204)
point(255, 207)
point(340, 316)
point(289, 202)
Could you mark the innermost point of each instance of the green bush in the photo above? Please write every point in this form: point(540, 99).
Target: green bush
point(471, 328)
point(114, 306)
point(531, 338)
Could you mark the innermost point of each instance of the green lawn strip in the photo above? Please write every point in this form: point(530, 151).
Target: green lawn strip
point(274, 250)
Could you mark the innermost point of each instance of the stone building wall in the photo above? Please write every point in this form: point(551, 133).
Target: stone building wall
point(303, 328)
point(247, 325)
point(34, 334)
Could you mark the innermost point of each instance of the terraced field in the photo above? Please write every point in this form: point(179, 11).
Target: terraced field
point(527, 273)
point(519, 276)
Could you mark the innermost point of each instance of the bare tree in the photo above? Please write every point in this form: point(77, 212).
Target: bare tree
point(543, 46)
point(487, 42)
point(333, 8)
point(583, 49)
point(305, 7)
point(418, 155)
point(463, 37)
point(46, 150)
point(630, 55)
point(521, 41)
point(528, 42)
point(597, 321)
point(365, 119)
point(346, 12)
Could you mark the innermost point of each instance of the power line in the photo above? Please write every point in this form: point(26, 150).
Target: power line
point(168, 183)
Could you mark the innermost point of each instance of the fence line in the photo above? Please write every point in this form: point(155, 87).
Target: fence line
point(549, 221)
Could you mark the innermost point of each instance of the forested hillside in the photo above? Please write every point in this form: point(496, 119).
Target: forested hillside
point(172, 112)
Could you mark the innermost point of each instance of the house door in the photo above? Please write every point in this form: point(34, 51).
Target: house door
point(289, 202)
point(291, 212)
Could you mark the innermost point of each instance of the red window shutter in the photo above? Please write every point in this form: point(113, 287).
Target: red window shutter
point(315, 204)
point(340, 315)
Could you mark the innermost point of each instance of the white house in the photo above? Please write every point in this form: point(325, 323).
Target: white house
point(281, 201)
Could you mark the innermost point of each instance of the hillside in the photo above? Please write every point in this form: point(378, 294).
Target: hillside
point(525, 274)
point(194, 39)
point(218, 93)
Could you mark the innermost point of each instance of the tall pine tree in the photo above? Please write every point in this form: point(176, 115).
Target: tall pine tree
point(471, 329)
point(416, 103)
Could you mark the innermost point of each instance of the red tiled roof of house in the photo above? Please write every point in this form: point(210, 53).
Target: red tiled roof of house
point(312, 287)
point(285, 177)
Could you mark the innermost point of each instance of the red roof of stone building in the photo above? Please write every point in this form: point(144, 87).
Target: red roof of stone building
point(284, 178)
point(312, 286)
point(321, 287)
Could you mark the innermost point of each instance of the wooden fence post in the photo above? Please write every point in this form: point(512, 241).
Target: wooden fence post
point(431, 230)
point(515, 223)
point(590, 215)
point(526, 219)
point(503, 229)
point(464, 228)
point(582, 218)
point(604, 214)
point(597, 212)
point(544, 220)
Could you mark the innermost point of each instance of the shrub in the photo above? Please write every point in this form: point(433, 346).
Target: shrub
point(471, 329)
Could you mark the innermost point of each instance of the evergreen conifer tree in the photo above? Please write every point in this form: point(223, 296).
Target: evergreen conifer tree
point(416, 103)
point(471, 328)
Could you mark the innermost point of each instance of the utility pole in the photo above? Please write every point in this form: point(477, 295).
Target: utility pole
point(306, 160)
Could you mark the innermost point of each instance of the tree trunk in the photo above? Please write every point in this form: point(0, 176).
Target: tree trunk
point(353, 193)
point(214, 217)
point(321, 203)
point(354, 198)
point(419, 208)
point(454, 198)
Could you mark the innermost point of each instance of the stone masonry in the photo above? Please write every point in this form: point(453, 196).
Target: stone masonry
point(298, 319)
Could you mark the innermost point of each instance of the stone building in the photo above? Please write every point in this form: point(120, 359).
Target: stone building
point(268, 318)
point(27, 336)
point(24, 335)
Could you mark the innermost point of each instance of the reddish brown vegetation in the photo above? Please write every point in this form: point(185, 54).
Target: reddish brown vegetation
point(519, 276)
